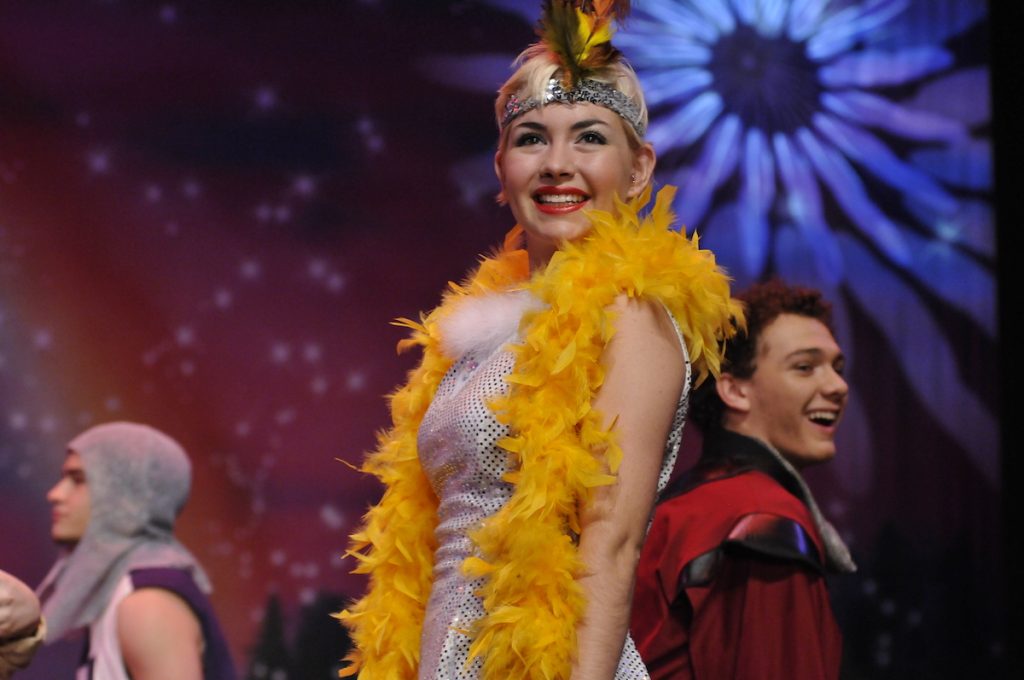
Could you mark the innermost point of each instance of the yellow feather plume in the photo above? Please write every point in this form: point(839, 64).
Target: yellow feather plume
point(529, 562)
point(579, 33)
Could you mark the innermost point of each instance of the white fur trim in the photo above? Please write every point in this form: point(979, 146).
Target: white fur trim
point(485, 323)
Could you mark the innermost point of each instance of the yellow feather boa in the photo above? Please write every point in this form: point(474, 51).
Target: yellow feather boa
point(531, 594)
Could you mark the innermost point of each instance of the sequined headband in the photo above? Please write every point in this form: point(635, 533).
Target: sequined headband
point(585, 91)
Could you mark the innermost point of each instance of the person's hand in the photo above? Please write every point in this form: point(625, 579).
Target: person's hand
point(19, 607)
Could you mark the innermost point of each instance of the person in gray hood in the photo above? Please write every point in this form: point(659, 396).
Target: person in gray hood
point(123, 575)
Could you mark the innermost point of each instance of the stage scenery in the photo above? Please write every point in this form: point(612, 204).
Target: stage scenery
point(211, 211)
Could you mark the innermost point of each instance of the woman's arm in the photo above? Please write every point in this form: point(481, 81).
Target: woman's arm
point(643, 380)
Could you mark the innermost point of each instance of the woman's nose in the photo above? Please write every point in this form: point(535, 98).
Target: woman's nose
point(558, 163)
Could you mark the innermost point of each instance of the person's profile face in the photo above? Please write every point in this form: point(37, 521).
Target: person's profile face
point(797, 392)
point(71, 502)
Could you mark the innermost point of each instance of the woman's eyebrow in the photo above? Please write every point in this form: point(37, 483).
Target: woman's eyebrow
point(579, 125)
point(587, 123)
point(531, 126)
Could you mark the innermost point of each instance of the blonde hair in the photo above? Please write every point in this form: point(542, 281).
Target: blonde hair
point(537, 65)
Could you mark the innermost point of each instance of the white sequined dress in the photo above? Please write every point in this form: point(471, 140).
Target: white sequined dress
point(457, 449)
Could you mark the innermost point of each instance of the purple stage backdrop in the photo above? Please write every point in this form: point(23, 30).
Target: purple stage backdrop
point(210, 211)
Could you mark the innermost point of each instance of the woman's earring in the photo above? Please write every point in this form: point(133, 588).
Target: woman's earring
point(632, 178)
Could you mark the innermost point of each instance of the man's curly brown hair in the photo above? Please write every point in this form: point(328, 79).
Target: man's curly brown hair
point(763, 303)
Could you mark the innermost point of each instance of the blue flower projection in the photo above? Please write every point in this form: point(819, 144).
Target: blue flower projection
point(837, 143)
point(793, 97)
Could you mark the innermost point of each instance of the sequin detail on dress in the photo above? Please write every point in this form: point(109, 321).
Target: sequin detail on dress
point(457, 449)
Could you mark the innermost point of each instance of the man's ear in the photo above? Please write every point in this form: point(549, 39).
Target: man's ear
point(734, 392)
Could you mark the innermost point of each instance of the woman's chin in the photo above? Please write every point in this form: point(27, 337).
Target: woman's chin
point(558, 228)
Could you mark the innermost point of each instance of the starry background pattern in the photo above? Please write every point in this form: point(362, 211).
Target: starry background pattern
point(209, 213)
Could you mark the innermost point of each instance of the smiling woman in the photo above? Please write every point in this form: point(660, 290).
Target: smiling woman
point(547, 411)
point(558, 161)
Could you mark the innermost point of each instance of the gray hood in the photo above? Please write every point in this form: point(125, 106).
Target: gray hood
point(138, 480)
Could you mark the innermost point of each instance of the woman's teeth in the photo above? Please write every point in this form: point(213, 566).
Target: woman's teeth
point(560, 198)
